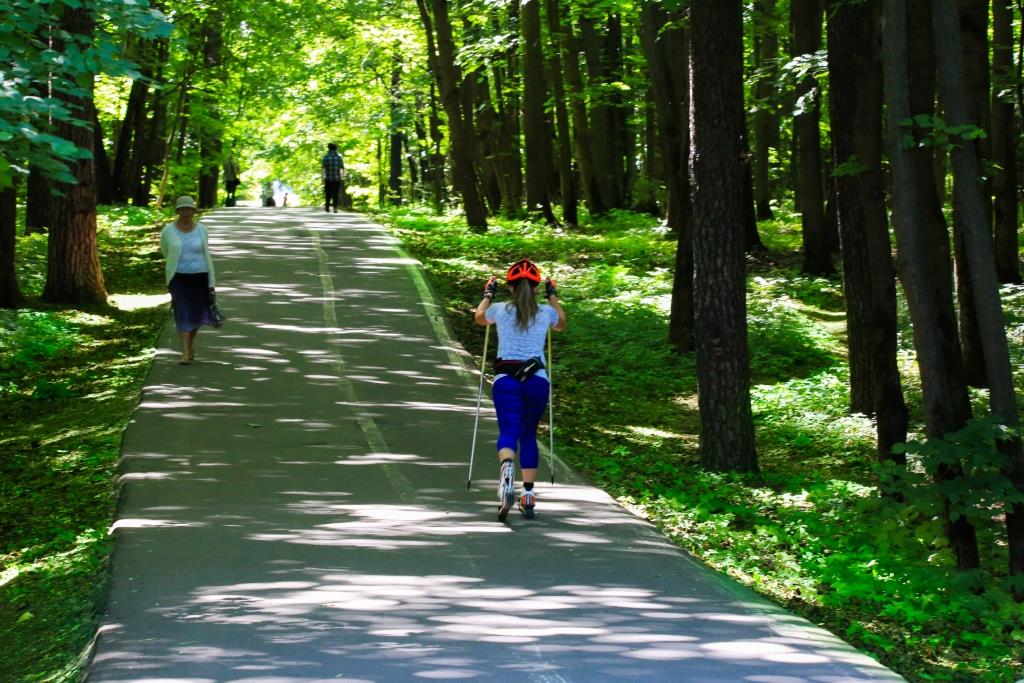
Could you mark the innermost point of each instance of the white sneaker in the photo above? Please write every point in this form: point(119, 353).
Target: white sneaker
point(527, 503)
point(506, 488)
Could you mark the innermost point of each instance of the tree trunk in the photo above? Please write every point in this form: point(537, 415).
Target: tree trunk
point(751, 237)
point(716, 117)
point(38, 188)
point(104, 179)
point(209, 127)
point(210, 153)
point(806, 21)
point(766, 120)
point(978, 243)
point(38, 196)
point(1005, 137)
point(73, 274)
point(667, 61)
point(924, 269)
point(567, 184)
point(580, 122)
point(973, 20)
point(623, 137)
point(153, 151)
point(869, 277)
point(607, 166)
point(395, 134)
point(437, 162)
point(123, 147)
point(535, 129)
point(10, 293)
point(448, 76)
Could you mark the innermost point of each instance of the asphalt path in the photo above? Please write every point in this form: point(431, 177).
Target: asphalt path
point(294, 507)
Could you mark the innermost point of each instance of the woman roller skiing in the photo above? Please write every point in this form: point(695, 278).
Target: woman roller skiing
point(521, 384)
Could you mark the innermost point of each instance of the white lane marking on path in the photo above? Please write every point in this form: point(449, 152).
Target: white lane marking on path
point(369, 427)
point(435, 313)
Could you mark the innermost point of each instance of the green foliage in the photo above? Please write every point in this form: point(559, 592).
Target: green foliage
point(978, 486)
point(68, 383)
point(24, 112)
point(28, 338)
point(932, 131)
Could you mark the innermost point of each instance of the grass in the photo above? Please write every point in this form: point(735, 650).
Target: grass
point(69, 380)
point(811, 532)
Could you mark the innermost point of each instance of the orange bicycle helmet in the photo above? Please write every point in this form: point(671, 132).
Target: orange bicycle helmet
point(523, 268)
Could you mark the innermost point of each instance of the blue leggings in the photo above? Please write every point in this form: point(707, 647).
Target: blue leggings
point(520, 406)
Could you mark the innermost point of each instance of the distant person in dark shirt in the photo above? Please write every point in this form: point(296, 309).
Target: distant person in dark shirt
point(231, 181)
point(331, 169)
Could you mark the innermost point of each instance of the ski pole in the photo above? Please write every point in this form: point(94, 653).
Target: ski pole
point(479, 397)
point(551, 412)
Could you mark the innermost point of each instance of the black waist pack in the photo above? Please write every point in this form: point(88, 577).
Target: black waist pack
point(522, 370)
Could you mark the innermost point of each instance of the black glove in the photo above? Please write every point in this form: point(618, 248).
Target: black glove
point(550, 288)
point(491, 288)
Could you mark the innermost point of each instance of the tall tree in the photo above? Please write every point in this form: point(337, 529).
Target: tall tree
point(973, 21)
point(978, 245)
point(566, 177)
point(716, 120)
point(206, 116)
point(535, 126)
point(869, 278)
point(1005, 137)
point(128, 140)
point(605, 148)
point(395, 135)
point(805, 16)
point(925, 270)
point(10, 292)
point(582, 136)
point(766, 118)
point(441, 56)
point(664, 42)
point(73, 273)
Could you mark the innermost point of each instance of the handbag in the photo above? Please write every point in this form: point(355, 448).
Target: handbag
point(215, 313)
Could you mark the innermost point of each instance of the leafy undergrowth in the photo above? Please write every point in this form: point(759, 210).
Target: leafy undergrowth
point(69, 379)
point(811, 532)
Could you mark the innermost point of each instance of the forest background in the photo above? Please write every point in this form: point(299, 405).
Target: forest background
point(788, 231)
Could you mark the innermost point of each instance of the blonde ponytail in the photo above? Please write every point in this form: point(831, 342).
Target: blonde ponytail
point(524, 298)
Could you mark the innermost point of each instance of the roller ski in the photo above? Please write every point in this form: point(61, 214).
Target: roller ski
point(527, 504)
point(506, 489)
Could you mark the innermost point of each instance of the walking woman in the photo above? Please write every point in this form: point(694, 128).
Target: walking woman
point(521, 384)
point(189, 274)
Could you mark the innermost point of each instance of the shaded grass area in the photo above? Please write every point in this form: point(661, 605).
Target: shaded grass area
point(69, 380)
point(812, 532)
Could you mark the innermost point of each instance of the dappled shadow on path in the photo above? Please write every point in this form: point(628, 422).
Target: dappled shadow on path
point(294, 509)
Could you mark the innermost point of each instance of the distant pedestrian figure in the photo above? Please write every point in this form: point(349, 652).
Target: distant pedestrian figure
point(231, 181)
point(267, 194)
point(189, 274)
point(331, 167)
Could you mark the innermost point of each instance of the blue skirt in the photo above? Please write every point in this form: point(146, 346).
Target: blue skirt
point(190, 299)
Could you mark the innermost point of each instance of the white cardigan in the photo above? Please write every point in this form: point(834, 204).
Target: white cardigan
point(170, 245)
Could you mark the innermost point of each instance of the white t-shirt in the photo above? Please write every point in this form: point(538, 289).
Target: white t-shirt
point(517, 344)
